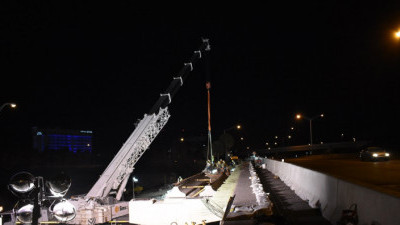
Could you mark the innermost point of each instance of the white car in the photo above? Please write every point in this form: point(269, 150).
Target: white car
point(374, 154)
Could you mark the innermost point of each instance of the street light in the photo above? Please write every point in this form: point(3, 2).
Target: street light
point(12, 105)
point(226, 148)
point(134, 180)
point(237, 127)
point(397, 34)
point(299, 116)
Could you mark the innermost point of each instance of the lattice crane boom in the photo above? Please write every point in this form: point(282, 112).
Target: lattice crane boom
point(116, 175)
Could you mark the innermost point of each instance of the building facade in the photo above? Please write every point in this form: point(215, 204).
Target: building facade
point(75, 141)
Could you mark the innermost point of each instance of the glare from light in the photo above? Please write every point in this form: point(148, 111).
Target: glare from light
point(276, 137)
point(375, 155)
point(13, 105)
point(289, 136)
point(241, 138)
point(267, 143)
point(64, 211)
point(397, 34)
point(135, 179)
point(269, 148)
point(182, 139)
point(56, 194)
point(1, 208)
point(292, 128)
point(239, 127)
point(322, 115)
point(298, 116)
point(386, 154)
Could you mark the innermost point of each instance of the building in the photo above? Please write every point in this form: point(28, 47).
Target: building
point(75, 141)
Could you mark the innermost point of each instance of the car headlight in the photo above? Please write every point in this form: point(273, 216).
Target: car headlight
point(375, 155)
point(387, 154)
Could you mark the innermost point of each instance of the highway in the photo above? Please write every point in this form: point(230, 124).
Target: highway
point(381, 176)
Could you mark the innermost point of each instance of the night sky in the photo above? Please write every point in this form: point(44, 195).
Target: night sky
point(101, 67)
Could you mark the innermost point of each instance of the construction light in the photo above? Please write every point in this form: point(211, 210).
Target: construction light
point(59, 185)
point(25, 212)
point(22, 182)
point(63, 210)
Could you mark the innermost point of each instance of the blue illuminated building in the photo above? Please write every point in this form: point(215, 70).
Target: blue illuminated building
point(75, 141)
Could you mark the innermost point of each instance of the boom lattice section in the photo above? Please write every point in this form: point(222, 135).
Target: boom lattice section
point(116, 175)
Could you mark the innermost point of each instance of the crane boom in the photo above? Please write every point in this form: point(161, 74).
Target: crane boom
point(116, 175)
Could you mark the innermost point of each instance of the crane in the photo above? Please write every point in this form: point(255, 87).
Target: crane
point(101, 203)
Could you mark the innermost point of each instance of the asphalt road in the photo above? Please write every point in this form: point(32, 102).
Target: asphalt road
point(381, 176)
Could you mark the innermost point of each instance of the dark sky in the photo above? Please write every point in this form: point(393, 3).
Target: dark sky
point(100, 67)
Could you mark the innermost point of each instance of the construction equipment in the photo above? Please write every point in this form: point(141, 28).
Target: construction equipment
point(101, 203)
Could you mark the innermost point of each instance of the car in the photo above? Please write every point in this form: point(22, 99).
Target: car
point(374, 154)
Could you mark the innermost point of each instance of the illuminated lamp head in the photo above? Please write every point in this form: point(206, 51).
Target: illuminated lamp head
point(59, 185)
point(63, 210)
point(24, 211)
point(22, 183)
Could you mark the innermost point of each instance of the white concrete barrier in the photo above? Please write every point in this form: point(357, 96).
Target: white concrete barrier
point(333, 195)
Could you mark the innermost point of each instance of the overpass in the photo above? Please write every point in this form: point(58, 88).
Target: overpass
point(335, 147)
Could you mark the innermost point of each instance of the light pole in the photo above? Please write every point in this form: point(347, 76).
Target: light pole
point(12, 105)
point(237, 127)
point(134, 180)
point(299, 116)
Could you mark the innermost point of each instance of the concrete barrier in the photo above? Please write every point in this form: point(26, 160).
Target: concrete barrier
point(333, 195)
